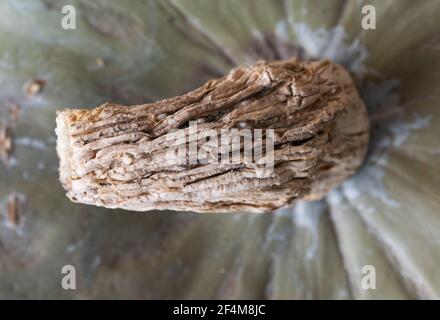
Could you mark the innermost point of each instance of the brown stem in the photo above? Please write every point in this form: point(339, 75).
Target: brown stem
point(142, 157)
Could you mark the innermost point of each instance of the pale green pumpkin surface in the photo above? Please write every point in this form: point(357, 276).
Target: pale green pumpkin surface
point(387, 216)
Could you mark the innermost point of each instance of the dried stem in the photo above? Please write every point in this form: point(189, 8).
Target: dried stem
point(119, 156)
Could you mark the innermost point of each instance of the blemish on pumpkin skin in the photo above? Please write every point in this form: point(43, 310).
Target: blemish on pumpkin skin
point(100, 62)
point(96, 64)
point(34, 87)
point(12, 211)
point(6, 144)
point(15, 209)
point(14, 112)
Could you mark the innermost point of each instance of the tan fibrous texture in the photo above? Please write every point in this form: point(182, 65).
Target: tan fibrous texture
point(119, 156)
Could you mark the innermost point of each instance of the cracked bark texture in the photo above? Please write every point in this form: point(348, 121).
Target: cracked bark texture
point(118, 156)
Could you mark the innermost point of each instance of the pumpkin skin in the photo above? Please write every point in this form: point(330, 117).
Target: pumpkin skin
point(386, 216)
